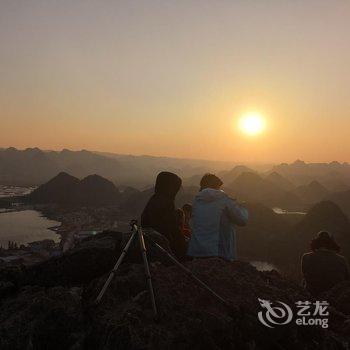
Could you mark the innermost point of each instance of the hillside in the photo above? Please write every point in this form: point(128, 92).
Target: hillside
point(342, 199)
point(280, 181)
point(64, 189)
point(61, 292)
point(228, 177)
point(251, 187)
point(264, 238)
point(57, 190)
point(312, 193)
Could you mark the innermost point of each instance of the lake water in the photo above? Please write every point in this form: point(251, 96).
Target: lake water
point(286, 212)
point(25, 226)
point(263, 266)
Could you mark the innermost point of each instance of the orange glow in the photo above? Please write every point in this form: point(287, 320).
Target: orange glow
point(252, 123)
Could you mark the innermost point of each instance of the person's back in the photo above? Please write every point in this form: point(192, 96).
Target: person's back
point(323, 268)
point(213, 218)
point(159, 213)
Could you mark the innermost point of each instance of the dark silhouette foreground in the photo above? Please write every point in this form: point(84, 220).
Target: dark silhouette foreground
point(160, 213)
point(52, 307)
point(323, 267)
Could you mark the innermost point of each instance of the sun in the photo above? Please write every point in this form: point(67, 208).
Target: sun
point(252, 123)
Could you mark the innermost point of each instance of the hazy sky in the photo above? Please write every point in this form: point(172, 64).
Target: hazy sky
point(172, 77)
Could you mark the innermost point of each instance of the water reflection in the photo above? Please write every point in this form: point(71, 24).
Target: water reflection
point(25, 226)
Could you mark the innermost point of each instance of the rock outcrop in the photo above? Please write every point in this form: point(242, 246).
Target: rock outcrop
point(53, 306)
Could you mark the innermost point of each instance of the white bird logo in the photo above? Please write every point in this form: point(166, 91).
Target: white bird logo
point(274, 315)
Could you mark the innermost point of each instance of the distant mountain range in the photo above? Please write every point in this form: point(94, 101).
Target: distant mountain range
point(295, 186)
point(251, 187)
point(335, 176)
point(33, 166)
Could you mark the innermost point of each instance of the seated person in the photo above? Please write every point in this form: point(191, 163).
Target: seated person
point(323, 267)
point(160, 214)
point(180, 217)
point(187, 209)
point(213, 218)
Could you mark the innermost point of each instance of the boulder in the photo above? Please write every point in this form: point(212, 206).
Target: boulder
point(92, 258)
point(42, 319)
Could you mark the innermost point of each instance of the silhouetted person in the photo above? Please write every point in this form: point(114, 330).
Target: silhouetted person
point(213, 218)
point(187, 209)
point(160, 214)
point(323, 267)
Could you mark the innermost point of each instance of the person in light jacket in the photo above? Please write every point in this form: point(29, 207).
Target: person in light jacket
point(214, 216)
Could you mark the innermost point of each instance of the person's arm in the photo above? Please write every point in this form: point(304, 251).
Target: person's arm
point(236, 213)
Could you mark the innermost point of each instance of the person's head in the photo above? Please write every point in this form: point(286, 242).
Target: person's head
point(187, 209)
point(167, 184)
point(324, 240)
point(210, 181)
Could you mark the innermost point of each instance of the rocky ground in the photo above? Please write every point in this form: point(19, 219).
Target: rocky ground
point(51, 305)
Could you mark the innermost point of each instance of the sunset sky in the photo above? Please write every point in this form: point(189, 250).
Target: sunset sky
point(175, 77)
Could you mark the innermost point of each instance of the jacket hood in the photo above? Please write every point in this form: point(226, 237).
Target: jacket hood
point(167, 184)
point(210, 195)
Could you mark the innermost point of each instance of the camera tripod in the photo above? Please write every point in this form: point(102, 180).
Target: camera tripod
point(137, 231)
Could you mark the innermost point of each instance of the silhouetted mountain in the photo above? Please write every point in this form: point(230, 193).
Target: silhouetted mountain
point(312, 193)
point(193, 180)
point(34, 167)
point(65, 189)
point(264, 238)
point(57, 190)
point(327, 216)
point(301, 173)
point(134, 204)
point(27, 167)
point(336, 182)
point(343, 200)
point(95, 190)
point(229, 176)
point(280, 181)
point(226, 176)
point(251, 187)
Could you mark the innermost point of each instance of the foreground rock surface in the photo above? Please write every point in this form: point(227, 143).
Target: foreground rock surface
point(51, 305)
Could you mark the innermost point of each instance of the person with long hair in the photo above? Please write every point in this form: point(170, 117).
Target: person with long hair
point(214, 215)
point(323, 267)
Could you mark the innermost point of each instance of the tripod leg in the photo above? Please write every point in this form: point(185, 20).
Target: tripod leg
point(189, 272)
point(115, 268)
point(147, 271)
